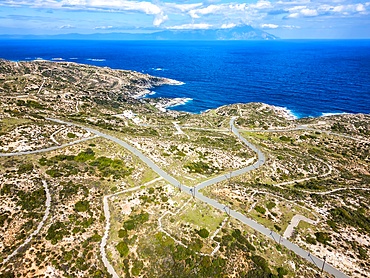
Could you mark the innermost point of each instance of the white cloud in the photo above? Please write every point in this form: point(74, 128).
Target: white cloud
point(211, 9)
point(228, 25)
point(296, 8)
point(213, 12)
point(159, 19)
point(293, 15)
point(309, 12)
point(191, 26)
point(68, 26)
point(103, 27)
point(262, 4)
point(269, 26)
point(338, 9)
point(182, 7)
point(238, 7)
point(360, 8)
point(290, 27)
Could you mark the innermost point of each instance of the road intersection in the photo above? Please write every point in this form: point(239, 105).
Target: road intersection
point(194, 191)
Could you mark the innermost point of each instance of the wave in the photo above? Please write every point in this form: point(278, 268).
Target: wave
point(179, 101)
point(174, 82)
point(96, 60)
point(158, 69)
point(142, 94)
point(57, 59)
point(73, 58)
point(333, 114)
point(285, 112)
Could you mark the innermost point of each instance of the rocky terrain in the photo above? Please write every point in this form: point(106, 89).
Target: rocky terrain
point(111, 214)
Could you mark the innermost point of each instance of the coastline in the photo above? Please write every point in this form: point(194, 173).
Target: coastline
point(167, 103)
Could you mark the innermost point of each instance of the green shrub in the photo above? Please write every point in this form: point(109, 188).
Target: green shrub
point(56, 232)
point(129, 224)
point(332, 224)
point(270, 205)
point(203, 233)
point(260, 209)
point(322, 237)
point(199, 167)
point(31, 200)
point(82, 206)
point(25, 168)
point(122, 249)
point(122, 233)
point(285, 139)
point(71, 135)
point(282, 272)
point(88, 154)
point(261, 262)
point(351, 217)
point(362, 253)
point(136, 268)
point(95, 238)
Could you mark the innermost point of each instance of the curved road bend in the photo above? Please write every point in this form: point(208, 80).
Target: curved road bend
point(194, 192)
point(260, 160)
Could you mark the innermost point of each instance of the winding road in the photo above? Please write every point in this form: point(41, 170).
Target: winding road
point(194, 191)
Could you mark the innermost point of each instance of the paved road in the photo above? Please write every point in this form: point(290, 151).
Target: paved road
point(260, 160)
point(35, 232)
point(194, 192)
point(294, 223)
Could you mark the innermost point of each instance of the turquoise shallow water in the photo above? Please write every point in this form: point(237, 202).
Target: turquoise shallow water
point(307, 77)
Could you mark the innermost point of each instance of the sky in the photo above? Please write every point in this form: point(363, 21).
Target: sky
point(289, 19)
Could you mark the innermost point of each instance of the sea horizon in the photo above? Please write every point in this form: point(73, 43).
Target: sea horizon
point(310, 78)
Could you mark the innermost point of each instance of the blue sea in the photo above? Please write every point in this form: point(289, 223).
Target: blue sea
point(308, 77)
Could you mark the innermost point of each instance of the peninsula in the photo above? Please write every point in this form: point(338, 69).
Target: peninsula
point(98, 181)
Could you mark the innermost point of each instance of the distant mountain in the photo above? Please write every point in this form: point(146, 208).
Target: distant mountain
point(237, 33)
point(245, 32)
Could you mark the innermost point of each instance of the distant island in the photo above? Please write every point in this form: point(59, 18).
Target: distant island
point(244, 32)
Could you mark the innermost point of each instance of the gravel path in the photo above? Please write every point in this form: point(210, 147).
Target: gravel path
point(35, 232)
point(47, 149)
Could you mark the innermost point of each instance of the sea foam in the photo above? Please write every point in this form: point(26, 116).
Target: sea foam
point(96, 60)
point(333, 114)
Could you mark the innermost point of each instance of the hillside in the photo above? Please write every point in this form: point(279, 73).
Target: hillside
point(98, 182)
